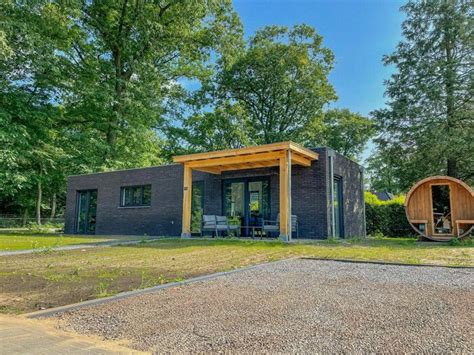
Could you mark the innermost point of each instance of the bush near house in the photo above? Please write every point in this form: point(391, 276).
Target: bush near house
point(386, 217)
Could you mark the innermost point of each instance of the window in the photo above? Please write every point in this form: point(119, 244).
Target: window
point(133, 196)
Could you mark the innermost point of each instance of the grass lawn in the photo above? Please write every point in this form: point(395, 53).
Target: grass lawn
point(21, 240)
point(54, 278)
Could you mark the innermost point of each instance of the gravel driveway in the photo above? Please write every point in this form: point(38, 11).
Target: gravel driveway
point(297, 306)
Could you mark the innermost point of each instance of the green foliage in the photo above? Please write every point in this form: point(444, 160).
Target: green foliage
point(280, 82)
point(386, 218)
point(342, 130)
point(48, 227)
point(428, 126)
point(274, 90)
point(87, 86)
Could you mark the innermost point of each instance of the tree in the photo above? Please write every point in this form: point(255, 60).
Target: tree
point(122, 61)
point(428, 126)
point(275, 89)
point(222, 128)
point(280, 82)
point(344, 131)
point(86, 85)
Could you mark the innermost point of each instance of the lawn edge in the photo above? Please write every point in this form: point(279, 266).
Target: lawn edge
point(381, 262)
point(108, 243)
point(123, 295)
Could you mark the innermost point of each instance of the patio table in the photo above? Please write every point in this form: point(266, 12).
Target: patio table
point(255, 229)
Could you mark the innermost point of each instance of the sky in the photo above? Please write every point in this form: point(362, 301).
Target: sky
point(359, 32)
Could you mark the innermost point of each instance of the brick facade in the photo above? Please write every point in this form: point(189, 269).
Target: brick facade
point(310, 197)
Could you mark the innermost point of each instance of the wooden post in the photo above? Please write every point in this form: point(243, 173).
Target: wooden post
point(284, 163)
point(187, 194)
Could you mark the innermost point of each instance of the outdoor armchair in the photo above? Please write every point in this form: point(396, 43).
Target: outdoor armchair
point(270, 226)
point(216, 224)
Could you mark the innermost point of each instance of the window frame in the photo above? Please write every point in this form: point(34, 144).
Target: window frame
point(123, 190)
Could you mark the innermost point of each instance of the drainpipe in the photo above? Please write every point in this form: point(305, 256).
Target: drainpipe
point(331, 192)
point(290, 224)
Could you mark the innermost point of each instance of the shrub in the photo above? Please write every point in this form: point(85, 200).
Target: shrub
point(49, 227)
point(386, 217)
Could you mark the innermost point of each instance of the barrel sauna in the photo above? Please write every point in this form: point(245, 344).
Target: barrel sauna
point(440, 208)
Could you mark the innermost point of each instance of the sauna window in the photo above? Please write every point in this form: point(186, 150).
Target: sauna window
point(442, 220)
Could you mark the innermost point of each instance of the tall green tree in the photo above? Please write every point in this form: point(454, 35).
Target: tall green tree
point(344, 131)
point(275, 89)
point(86, 85)
point(428, 126)
point(272, 90)
point(121, 62)
point(281, 81)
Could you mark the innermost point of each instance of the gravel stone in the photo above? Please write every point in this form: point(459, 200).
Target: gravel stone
point(297, 306)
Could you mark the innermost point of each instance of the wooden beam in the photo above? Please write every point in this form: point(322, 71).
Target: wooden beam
point(284, 196)
point(296, 148)
point(211, 170)
point(187, 195)
point(232, 152)
point(263, 164)
point(240, 159)
point(298, 159)
point(281, 146)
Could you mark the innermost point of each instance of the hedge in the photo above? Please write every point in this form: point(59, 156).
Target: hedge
point(386, 217)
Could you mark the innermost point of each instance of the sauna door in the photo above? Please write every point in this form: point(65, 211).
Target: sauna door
point(442, 218)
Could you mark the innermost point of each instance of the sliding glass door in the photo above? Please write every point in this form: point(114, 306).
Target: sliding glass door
point(86, 211)
point(247, 201)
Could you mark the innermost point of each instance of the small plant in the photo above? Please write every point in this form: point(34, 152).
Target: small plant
point(332, 240)
point(461, 242)
point(103, 289)
point(75, 272)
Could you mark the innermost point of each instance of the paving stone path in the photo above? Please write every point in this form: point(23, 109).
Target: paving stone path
point(22, 336)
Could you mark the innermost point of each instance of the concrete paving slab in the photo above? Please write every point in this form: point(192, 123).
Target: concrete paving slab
point(23, 336)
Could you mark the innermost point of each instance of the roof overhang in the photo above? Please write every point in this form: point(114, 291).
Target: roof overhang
point(261, 156)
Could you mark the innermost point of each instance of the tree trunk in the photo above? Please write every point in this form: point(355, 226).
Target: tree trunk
point(25, 217)
point(39, 197)
point(53, 206)
point(449, 82)
point(452, 168)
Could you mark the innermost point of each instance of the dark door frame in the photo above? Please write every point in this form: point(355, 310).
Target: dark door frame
point(246, 181)
point(88, 200)
point(340, 203)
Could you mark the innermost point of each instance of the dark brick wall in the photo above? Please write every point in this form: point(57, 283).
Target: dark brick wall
point(310, 197)
point(163, 217)
point(352, 194)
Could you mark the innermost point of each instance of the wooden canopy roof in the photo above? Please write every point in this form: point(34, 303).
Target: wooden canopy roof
point(247, 158)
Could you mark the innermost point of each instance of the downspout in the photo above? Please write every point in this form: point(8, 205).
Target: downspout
point(290, 221)
point(331, 192)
